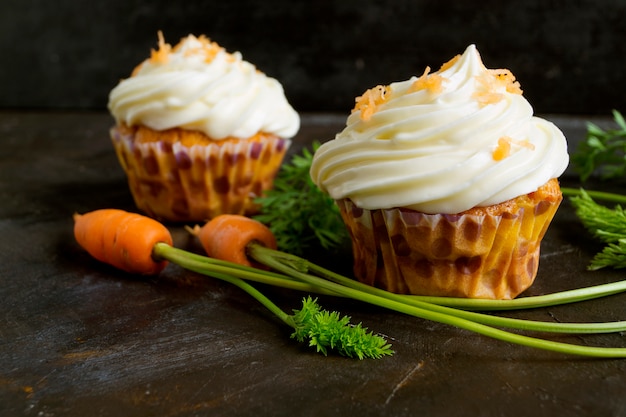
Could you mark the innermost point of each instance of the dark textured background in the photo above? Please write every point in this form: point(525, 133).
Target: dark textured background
point(568, 55)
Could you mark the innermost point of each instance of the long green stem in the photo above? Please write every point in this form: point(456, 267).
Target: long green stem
point(437, 316)
point(236, 274)
point(263, 254)
point(199, 264)
point(279, 280)
point(322, 329)
point(535, 301)
point(259, 296)
point(203, 264)
point(597, 195)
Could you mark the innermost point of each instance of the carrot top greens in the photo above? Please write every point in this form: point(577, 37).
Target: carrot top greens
point(324, 329)
point(606, 224)
point(298, 213)
point(603, 152)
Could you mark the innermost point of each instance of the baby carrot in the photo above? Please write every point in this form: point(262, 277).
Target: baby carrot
point(227, 236)
point(122, 239)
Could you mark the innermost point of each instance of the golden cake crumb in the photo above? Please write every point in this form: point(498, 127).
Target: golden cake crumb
point(550, 191)
point(185, 137)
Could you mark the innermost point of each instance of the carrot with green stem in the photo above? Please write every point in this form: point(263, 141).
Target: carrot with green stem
point(320, 326)
point(299, 268)
point(226, 237)
point(122, 239)
point(141, 245)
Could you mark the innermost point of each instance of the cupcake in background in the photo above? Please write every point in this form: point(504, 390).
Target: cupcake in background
point(446, 182)
point(199, 131)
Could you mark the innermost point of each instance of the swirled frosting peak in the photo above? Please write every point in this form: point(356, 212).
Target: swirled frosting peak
point(443, 142)
point(197, 85)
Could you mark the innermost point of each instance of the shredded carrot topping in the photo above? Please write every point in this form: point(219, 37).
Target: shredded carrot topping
point(208, 48)
point(161, 55)
point(367, 103)
point(503, 148)
point(506, 77)
point(491, 83)
point(431, 82)
point(448, 64)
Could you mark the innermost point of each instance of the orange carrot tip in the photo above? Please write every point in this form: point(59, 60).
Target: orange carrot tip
point(227, 236)
point(122, 239)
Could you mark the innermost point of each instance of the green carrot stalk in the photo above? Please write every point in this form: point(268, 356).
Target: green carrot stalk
point(267, 255)
point(602, 152)
point(598, 195)
point(606, 224)
point(324, 330)
point(425, 311)
point(284, 281)
point(529, 302)
point(418, 308)
point(294, 198)
point(199, 263)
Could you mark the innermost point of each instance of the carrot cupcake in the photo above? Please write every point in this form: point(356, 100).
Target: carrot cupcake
point(199, 131)
point(446, 182)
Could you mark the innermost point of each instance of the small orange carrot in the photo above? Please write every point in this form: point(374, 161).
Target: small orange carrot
point(227, 236)
point(122, 239)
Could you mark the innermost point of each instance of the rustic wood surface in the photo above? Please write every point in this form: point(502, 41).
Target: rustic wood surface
point(78, 338)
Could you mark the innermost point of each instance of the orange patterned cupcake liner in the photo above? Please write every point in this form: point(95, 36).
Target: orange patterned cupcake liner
point(475, 255)
point(174, 182)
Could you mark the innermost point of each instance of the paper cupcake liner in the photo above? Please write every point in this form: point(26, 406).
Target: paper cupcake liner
point(196, 183)
point(467, 255)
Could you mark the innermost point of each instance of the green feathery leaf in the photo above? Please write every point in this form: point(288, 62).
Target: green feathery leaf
point(298, 213)
point(603, 151)
point(608, 225)
point(328, 330)
point(613, 255)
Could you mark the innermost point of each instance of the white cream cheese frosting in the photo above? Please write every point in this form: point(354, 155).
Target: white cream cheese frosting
point(444, 142)
point(197, 85)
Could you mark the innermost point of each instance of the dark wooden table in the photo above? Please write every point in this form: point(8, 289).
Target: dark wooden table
point(78, 338)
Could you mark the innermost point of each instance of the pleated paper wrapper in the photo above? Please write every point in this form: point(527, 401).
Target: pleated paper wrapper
point(196, 183)
point(492, 256)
